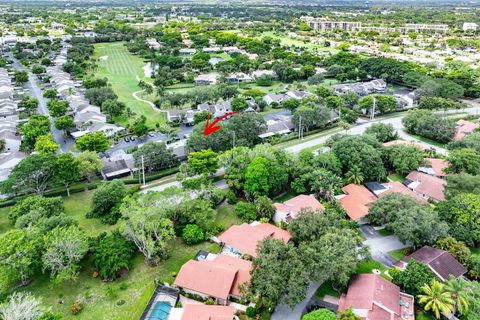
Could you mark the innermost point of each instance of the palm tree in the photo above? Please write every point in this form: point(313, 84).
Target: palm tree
point(355, 175)
point(436, 299)
point(456, 288)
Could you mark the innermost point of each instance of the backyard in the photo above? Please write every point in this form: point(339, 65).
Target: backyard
point(125, 298)
point(123, 69)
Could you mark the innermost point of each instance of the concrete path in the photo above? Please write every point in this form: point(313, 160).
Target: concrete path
point(380, 246)
point(283, 312)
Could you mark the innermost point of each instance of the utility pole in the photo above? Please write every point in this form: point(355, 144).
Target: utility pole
point(143, 171)
point(372, 116)
point(300, 128)
point(233, 138)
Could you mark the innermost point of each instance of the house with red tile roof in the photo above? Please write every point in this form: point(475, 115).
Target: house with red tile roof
point(383, 189)
point(289, 210)
point(243, 239)
point(206, 312)
point(440, 262)
point(373, 298)
point(464, 128)
point(356, 201)
point(217, 277)
point(435, 167)
point(426, 186)
point(420, 145)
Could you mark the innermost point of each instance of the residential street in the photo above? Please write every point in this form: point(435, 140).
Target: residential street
point(396, 121)
point(35, 91)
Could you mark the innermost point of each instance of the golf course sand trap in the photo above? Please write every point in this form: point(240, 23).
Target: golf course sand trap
point(147, 70)
point(104, 58)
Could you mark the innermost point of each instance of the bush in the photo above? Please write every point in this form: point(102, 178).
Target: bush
point(76, 308)
point(247, 211)
point(231, 197)
point(251, 312)
point(192, 234)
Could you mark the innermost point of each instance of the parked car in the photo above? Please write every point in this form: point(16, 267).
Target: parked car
point(126, 139)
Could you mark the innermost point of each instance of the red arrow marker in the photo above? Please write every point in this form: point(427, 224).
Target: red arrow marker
point(213, 127)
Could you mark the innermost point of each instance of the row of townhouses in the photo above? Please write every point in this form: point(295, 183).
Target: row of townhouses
point(9, 120)
point(88, 118)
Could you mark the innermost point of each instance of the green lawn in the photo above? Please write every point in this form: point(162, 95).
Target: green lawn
point(429, 141)
point(326, 289)
point(368, 265)
point(122, 68)
point(226, 216)
point(475, 251)
point(396, 177)
point(397, 254)
point(98, 304)
point(287, 196)
point(4, 223)
point(384, 232)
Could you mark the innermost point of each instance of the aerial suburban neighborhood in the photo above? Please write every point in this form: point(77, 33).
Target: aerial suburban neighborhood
point(229, 160)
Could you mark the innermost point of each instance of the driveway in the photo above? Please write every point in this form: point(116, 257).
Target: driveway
point(380, 246)
point(283, 312)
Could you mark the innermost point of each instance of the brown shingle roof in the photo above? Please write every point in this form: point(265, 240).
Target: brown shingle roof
point(442, 263)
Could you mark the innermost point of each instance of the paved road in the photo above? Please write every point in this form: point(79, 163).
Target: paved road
point(396, 121)
point(380, 246)
point(283, 312)
point(35, 90)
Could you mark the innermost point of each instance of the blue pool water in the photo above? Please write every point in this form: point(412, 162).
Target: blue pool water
point(160, 311)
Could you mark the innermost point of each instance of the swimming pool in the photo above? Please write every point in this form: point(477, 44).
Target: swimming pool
point(160, 311)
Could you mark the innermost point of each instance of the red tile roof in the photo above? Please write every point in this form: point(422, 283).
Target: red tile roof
point(217, 278)
point(207, 312)
point(442, 263)
point(398, 187)
point(245, 237)
point(438, 166)
point(295, 205)
point(427, 185)
point(464, 128)
point(407, 143)
point(356, 201)
point(376, 298)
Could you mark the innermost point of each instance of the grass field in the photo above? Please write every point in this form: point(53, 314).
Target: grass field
point(122, 68)
point(123, 299)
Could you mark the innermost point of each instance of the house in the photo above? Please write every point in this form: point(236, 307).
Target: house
point(434, 167)
point(243, 239)
point(406, 101)
point(406, 143)
point(8, 161)
point(280, 126)
point(427, 186)
point(239, 77)
point(218, 109)
point(373, 298)
point(274, 98)
point(215, 60)
point(290, 209)
point(260, 73)
point(203, 312)
point(117, 165)
point(230, 50)
point(178, 149)
point(211, 49)
point(175, 115)
point(12, 140)
point(363, 88)
point(464, 128)
point(207, 79)
point(297, 94)
point(470, 26)
point(440, 262)
point(153, 44)
point(214, 276)
point(187, 51)
point(356, 201)
point(383, 189)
